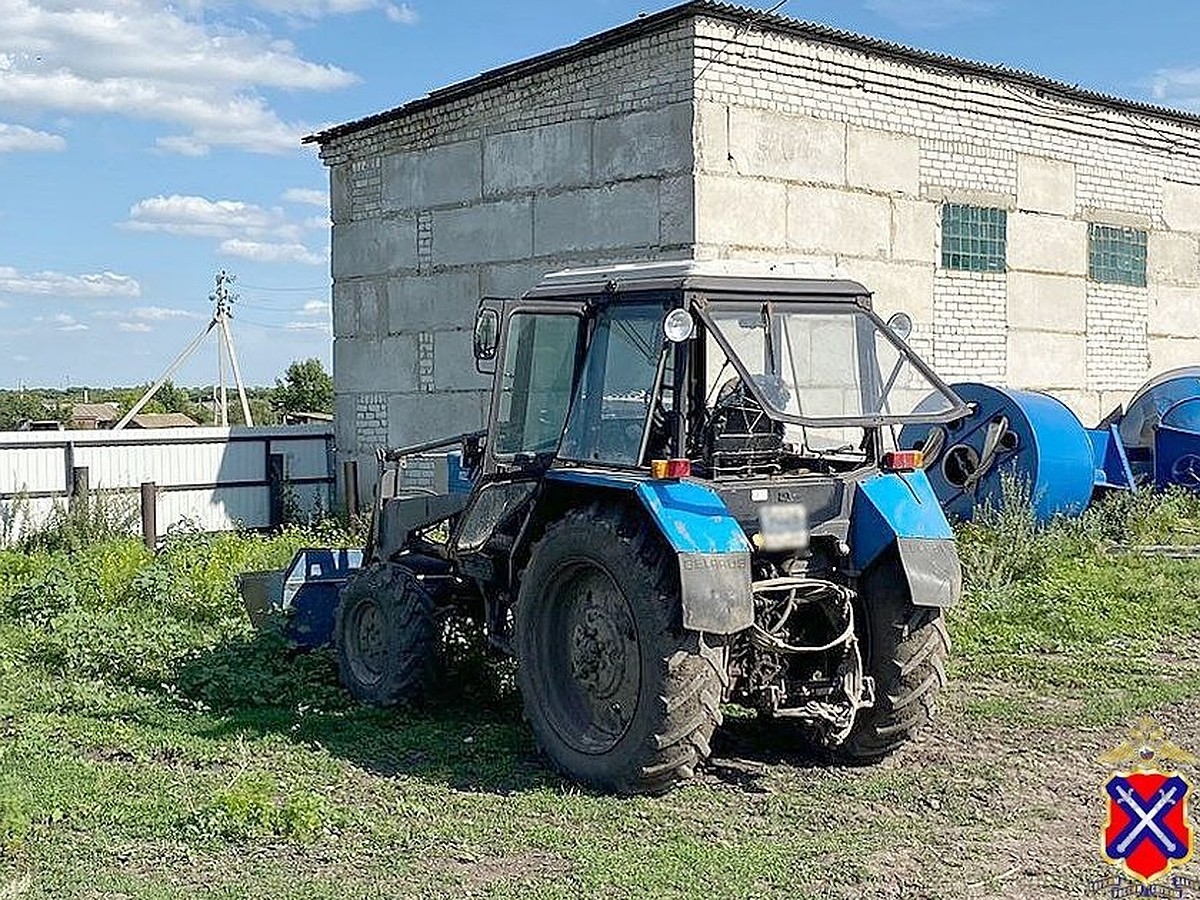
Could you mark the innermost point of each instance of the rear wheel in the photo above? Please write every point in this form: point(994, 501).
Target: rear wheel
point(386, 636)
point(905, 649)
point(619, 696)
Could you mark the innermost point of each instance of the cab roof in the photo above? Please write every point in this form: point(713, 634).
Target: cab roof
point(803, 281)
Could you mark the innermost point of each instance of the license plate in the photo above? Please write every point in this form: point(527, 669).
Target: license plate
point(783, 526)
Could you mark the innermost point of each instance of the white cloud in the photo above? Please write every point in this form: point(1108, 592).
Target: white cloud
point(144, 60)
point(135, 327)
point(18, 137)
point(315, 308)
point(246, 230)
point(402, 13)
point(148, 313)
point(161, 313)
point(931, 13)
point(318, 327)
point(58, 284)
point(64, 322)
point(311, 196)
point(201, 217)
point(1178, 87)
point(271, 252)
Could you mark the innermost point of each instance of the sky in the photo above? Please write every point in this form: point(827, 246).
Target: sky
point(146, 146)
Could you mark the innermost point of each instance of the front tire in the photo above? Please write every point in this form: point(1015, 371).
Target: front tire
point(619, 695)
point(386, 636)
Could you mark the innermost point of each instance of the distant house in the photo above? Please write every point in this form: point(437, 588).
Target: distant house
point(90, 416)
point(40, 425)
point(163, 420)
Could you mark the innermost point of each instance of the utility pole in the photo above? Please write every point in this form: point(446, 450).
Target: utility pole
point(224, 298)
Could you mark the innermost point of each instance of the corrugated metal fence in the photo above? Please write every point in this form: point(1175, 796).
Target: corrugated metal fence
point(217, 478)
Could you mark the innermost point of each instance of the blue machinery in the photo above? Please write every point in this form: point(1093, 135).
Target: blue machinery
point(1037, 440)
point(1026, 435)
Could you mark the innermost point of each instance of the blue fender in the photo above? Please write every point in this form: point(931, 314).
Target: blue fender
point(902, 510)
point(713, 551)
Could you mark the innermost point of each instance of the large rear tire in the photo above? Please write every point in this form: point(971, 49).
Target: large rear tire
point(386, 636)
point(619, 696)
point(906, 648)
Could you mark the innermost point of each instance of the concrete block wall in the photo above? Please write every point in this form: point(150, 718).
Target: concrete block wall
point(586, 164)
point(807, 149)
point(713, 140)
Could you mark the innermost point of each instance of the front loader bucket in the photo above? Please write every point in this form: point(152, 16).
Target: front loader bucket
point(303, 597)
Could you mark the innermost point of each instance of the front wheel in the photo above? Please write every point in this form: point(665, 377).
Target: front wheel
point(619, 696)
point(386, 636)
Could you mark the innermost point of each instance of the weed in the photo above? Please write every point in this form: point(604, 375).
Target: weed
point(38, 603)
point(84, 522)
point(257, 670)
point(252, 808)
point(15, 824)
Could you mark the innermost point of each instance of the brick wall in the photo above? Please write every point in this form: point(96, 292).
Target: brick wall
point(846, 157)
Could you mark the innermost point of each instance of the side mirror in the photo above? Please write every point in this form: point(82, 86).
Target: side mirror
point(487, 335)
point(901, 325)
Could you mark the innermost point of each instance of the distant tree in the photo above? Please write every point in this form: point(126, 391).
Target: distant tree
point(261, 407)
point(305, 387)
point(21, 406)
point(173, 399)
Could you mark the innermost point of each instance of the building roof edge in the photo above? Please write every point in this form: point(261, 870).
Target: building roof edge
point(748, 18)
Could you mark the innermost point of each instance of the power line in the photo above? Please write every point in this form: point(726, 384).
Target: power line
point(745, 27)
point(259, 287)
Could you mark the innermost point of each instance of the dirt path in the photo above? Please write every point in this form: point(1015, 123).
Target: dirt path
point(997, 812)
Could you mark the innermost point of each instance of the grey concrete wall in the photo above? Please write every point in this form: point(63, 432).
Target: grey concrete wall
point(481, 198)
point(709, 141)
point(808, 150)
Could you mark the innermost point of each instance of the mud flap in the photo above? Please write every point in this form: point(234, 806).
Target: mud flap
point(932, 570)
point(714, 553)
point(714, 591)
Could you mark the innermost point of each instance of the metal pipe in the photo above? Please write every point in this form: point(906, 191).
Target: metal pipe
point(396, 453)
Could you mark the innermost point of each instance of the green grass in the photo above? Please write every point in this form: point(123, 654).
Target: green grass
point(153, 746)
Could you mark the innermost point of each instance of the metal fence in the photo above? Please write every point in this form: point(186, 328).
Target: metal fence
point(216, 478)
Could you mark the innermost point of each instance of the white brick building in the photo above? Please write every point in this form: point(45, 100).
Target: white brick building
point(1040, 235)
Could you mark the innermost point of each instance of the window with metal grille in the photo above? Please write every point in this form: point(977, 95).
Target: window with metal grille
point(974, 238)
point(1117, 255)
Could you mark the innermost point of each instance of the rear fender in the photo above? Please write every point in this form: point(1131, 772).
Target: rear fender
point(712, 550)
point(902, 511)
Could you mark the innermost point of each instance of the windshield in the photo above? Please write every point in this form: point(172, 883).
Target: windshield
point(825, 364)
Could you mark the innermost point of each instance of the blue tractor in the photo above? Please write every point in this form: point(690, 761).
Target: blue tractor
point(688, 494)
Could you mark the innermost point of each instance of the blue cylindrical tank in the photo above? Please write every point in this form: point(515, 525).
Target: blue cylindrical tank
point(1177, 446)
point(1140, 425)
point(1028, 435)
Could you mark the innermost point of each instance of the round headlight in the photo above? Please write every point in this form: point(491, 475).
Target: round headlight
point(678, 326)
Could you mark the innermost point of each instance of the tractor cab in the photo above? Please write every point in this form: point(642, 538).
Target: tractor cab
point(737, 374)
point(688, 493)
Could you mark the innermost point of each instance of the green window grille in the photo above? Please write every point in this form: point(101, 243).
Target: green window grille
point(974, 238)
point(1117, 255)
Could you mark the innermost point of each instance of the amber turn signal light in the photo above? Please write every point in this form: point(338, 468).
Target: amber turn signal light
point(670, 468)
point(902, 461)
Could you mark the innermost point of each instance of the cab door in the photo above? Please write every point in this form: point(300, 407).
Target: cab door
point(539, 358)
